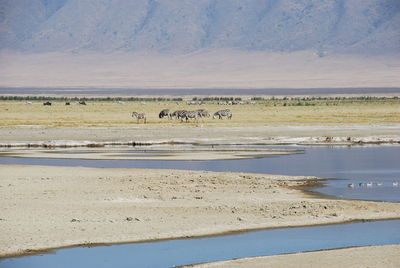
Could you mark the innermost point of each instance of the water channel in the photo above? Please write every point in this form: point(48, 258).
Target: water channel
point(377, 166)
point(372, 169)
point(198, 250)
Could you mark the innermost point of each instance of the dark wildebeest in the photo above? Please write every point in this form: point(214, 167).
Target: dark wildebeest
point(163, 113)
point(67, 103)
point(139, 116)
point(47, 103)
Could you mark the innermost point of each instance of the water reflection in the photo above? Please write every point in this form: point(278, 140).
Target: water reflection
point(188, 251)
point(352, 164)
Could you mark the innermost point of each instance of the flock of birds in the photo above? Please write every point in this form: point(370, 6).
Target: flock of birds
point(370, 184)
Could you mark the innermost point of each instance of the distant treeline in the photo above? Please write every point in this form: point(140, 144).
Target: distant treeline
point(285, 101)
point(216, 99)
point(362, 98)
point(45, 98)
point(321, 101)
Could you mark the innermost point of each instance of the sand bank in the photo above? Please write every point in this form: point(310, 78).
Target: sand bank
point(49, 207)
point(165, 152)
point(374, 256)
point(144, 135)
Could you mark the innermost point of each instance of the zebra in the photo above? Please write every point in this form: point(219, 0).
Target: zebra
point(190, 115)
point(203, 113)
point(174, 114)
point(177, 114)
point(223, 113)
point(139, 116)
point(163, 113)
point(82, 103)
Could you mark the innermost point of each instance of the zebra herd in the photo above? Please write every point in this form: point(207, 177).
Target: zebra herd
point(186, 116)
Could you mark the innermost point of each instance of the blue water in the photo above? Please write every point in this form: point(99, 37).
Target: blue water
point(350, 164)
point(189, 251)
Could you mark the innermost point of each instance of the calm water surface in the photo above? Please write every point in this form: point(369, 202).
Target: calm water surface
point(356, 164)
point(188, 251)
point(346, 164)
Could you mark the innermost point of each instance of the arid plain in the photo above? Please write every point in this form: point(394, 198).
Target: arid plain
point(51, 207)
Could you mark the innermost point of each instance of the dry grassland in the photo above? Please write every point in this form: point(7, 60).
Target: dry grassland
point(108, 114)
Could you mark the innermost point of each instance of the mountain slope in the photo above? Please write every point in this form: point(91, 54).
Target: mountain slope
point(362, 26)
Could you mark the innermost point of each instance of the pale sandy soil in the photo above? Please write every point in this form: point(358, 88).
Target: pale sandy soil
point(289, 134)
point(48, 207)
point(168, 152)
point(375, 256)
point(217, 68)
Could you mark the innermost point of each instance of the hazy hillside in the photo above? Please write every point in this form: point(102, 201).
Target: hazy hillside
point(206, 69)
point(366, 26)
point(200, 43)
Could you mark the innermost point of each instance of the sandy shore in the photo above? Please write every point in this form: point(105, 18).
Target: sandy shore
point(141, 134)
point(375, 256)
point(49, 207)
point(164, 152)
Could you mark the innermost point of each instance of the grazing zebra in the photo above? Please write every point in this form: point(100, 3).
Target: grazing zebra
point(203, 113)
point(139, 116)
point(223, 113)
point(177, 114)
point(163, 113)
point(190, 115)
point(82, 103)
point(174, 114)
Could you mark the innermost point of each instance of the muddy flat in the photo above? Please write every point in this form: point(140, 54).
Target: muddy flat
point(373, 257)
point(48, 207)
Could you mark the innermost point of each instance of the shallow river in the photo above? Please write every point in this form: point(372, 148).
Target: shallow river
point(374, 170)
point(188, 251)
